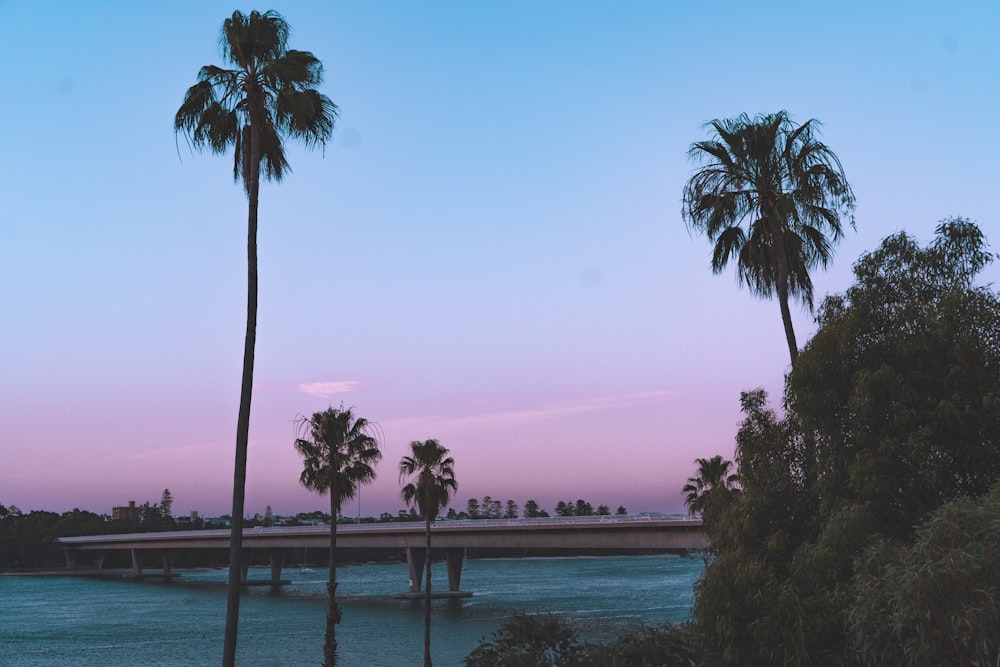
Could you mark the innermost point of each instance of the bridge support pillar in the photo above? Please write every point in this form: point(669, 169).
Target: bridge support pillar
point(454, 557)
point(416, 557)
point(136, 561)
point(70, 559)
point(277, 557)
point(99, 559)
point(168, 561)
point(244, 565)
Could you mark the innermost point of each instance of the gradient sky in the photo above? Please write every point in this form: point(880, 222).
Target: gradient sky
point(490, 251)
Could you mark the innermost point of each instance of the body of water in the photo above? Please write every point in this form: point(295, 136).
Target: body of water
point(89, 621)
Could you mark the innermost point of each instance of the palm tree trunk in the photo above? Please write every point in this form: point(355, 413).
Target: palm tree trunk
point(332, 610)
point(786, 318)
point(243, 420)
point(781, 285)
point(427, 598)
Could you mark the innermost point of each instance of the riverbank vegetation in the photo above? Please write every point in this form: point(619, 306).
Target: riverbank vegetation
point(860, 524)
point(887, 447)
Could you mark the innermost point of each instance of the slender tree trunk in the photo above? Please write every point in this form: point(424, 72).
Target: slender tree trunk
point(243, 420)
point(427, 598)
point(781, 286)
point(786, 318)
point(332, 609)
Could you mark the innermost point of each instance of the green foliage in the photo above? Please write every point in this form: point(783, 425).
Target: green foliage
point(664, 646)
point(528, 641)
point(901, 384)
point(541, 640)
point(892, 411)
point(936, 601)
point(28, 540)
point(713, 484)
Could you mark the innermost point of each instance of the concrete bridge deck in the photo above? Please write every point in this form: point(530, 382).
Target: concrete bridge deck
point(452, 536)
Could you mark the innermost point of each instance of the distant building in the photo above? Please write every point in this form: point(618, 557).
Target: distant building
point(190, 520)
point(130, 513)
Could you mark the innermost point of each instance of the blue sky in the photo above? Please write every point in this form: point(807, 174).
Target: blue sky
point(489, 251)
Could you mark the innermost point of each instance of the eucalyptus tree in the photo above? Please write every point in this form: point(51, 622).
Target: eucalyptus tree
point(339, 454)
point(771, 197)
point(431, 472)
point(269, 94)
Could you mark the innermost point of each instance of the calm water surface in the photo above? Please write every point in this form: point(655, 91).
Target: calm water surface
point(83, 621)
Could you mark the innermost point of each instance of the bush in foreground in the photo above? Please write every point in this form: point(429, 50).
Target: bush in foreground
point(532, 641)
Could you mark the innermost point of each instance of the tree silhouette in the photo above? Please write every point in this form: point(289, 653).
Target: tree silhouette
point(771, 196)
point(269, 94)
point(432, 473)
point(339, 454)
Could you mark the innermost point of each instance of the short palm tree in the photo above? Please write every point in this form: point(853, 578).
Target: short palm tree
point(713, 475)
point(267, 95)
point(771, 196)
point(339, 454)
point(432, 482)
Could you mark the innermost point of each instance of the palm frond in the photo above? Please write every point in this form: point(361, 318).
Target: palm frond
point(774, 181)
point(306, 115)
point(295, 69)
point(247, 40)
point(434, 476)
point(269, 91)
point(339, 452)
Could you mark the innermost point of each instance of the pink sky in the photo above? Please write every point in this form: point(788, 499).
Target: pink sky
point(490, 252)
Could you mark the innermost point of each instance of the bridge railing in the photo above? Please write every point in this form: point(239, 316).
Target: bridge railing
point(539, 521)
point(387, 527)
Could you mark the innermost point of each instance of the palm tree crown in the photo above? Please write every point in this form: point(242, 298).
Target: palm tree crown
point(713, 475)
point(339, 453)
point(435, 482)
point(269, 93)
point(771, 195)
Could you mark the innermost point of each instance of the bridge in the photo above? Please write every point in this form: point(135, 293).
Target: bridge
point(453, 537)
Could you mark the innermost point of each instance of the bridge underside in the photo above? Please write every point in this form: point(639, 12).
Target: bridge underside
point(451, 540)
point(416, 561)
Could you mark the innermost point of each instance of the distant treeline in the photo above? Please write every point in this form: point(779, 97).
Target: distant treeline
point(488, 508)
point(27, 540)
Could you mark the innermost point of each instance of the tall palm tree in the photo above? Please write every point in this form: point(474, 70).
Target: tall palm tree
point(771, 195)
point(432, 483)
point(269, 94)
point(713, 475)
point(339, 454)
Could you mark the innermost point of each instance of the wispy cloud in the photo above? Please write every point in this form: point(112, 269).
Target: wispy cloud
point(328, 389)
point(548, 411)
point(563, 409)
point(173, 453)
